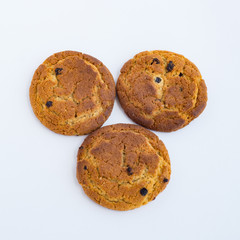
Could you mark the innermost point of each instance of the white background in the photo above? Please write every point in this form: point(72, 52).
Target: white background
point(40, 197)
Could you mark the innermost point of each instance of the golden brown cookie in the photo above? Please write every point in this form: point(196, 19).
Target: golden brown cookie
point(161, 90)
point(72, 93)
point(123, 166)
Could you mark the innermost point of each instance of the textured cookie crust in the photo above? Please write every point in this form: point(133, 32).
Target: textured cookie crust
point(161, 90)
point(123, 166)
point(72, 93)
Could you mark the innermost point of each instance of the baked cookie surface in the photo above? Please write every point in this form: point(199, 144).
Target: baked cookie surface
point(161, 90)
point(72, 93)
point(123, 166)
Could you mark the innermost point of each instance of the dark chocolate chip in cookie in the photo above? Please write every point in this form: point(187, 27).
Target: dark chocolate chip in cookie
point(155, 60)
point(170, 66)
point(143, 191)
point(81, 147)
point(165, 180)
point(181, 89)
point(58, 71)
point(158, 79)
point(49, 104)
point(85, 168)
point(180, 74)
point(129, 171)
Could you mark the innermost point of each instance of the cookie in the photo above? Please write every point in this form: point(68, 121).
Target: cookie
point(161, 90)
point(72, 93)
point(123, 166)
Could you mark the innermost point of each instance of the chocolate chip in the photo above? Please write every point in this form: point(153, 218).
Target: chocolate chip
point(143, 191)
point(165, 180)
point(129, 171)
point(81, 147)
point(158, 79)
point(85, 168)
point(170, 66)
point(58, 71)
point(181, 89)
point(49, 104)
point(154, 198)
point(180, 74)
point(155, 60)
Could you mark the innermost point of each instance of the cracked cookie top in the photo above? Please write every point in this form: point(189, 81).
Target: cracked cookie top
point(123, 166)
point(72, 93)
point(161, 90)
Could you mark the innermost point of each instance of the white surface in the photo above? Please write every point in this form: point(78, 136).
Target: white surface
point(40, 197)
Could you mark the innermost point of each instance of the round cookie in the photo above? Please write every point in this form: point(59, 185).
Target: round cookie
point(72, 93)
point(161, 90)
point(123, 166)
